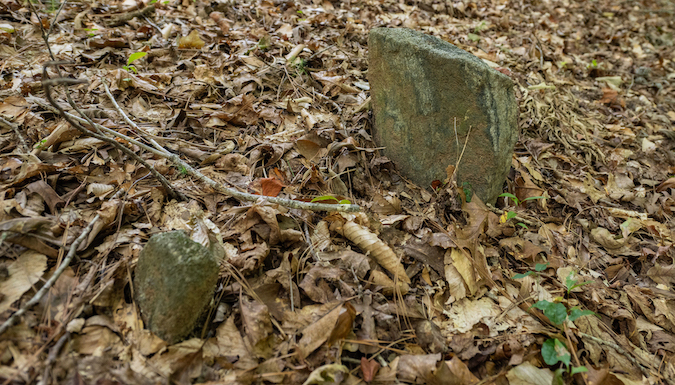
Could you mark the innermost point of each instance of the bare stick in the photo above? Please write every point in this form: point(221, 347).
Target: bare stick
point(53, 354)
point(290, 203)
point(64, 264)
point(123, 18)
point(104, 129)
point(48, 83)
point(619, 349)
point(24, 147)
point(129, 121)
point(184, 167)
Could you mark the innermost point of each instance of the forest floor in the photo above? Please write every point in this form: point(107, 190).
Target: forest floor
point(569, 279)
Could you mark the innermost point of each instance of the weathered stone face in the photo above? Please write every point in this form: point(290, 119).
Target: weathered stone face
point(174, 283)
point(426, 94)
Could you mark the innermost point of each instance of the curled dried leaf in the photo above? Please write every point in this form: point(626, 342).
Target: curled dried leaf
point(379, 251)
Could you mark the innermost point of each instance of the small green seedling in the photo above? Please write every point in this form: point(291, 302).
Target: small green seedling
point(554, 351)
point(132, 58)
point(538, 268)
point(40, 144)
point(572, 283)
point(512, 214)
point(91, 31)
point(516, 201)
point(183, 170)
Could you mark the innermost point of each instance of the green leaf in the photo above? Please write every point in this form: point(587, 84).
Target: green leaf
point(264, 42)
point(554, 311)
point(570, 280)
point(345, 202)
point(473, 37)
point(558, 378)
point(580, 284)
point(532, 198)
point(523, 275)
point(468, 191)
point(554, 351)
point(511, 214)
point(509, 195)
point(323, 198)
point(578, 369)
point(135, 56)
point(576, 313)
point(521, 224)
point(541, 266)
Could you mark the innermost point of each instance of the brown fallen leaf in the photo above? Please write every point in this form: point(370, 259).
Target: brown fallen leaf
point(369, 369)
point(344, 324)
point(191, 41)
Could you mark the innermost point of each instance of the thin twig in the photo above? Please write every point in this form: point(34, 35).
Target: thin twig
point(184, 167)
point(64, 264)
point(129, 121)
point(104, 129)
point(53, 354)
point(48, 83)
point(618, 348)
point(125, 17)
point(572, 349)
point(15, 128)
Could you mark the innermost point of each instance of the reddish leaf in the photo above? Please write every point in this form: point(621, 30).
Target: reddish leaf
point(611, 98)
point(270, 186)
point(369, 369)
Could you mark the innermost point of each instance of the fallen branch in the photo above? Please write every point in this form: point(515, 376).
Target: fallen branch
point(62, 267)
point(125, 17)
point(15, 128)
point(47, 83)
point(619, 349)
point(242, 196)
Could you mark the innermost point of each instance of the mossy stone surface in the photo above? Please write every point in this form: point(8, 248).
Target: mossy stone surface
point(174, 282)
point(428, 96)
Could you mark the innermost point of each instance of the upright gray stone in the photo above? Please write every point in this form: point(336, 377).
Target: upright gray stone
point(174, 283)
point(420, 86)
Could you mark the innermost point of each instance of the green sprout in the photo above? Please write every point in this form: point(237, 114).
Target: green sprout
point(512, 214)
point(538, 268)
point(40, 145)
point(91, 31)
point(132, 58)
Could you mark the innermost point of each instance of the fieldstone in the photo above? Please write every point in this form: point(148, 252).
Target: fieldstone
point(174, 283)
point(426, 94)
